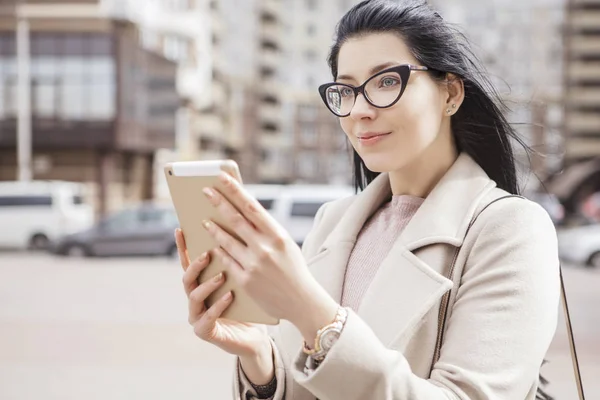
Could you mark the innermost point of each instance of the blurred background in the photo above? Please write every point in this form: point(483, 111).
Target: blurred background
point(97, 95)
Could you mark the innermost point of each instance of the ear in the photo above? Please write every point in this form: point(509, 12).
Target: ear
point(455, 94)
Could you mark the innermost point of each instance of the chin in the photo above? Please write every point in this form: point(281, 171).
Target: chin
point(382, 164)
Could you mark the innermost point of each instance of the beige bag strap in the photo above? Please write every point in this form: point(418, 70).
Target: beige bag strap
point(446, 299)
point(576, 369)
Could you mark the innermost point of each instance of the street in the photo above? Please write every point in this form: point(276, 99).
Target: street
point(117, 329)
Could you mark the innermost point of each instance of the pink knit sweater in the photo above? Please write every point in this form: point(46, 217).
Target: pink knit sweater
point(374, 242)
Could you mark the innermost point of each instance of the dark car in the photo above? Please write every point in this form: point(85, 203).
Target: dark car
point(144, 230)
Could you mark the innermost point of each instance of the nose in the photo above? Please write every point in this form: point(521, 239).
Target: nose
point(362, 108)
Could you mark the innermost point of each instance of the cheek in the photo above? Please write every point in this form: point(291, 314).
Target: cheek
point(418, 120)
point(347, 125)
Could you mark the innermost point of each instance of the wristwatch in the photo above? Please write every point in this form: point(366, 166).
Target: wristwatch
point(327, 336)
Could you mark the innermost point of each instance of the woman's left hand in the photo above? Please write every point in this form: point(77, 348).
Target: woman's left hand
point(267, 263)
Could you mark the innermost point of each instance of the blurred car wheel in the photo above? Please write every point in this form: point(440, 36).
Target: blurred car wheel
point(594, 260)
point(77, 250)
point(39, 242)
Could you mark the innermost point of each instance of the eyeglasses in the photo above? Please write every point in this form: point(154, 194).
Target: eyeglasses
point(382, 90)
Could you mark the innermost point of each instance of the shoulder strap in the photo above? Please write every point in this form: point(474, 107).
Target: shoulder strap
point(445, 302)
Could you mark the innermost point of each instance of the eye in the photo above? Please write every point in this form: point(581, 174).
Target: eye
point(346, 92)
point(388, 81)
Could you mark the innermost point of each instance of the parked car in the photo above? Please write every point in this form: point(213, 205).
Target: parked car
point(35, 213)
point(143, 230)
point(295, 206)
point(580, 245)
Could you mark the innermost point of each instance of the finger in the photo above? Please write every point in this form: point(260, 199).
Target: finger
point(231, 245)
point(198, 296)
point(191, 275)
point(248, 206)
point(184, 258)
point(232, 265)
point(240, 225)
point(205, 324)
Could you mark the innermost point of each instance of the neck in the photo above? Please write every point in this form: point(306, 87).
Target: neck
point(420, 177)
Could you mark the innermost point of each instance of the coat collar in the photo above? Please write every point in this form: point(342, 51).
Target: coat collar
point(442, 218)
point(405, 285)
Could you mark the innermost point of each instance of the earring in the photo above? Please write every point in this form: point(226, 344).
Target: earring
point(453, 105)
point(448, 111)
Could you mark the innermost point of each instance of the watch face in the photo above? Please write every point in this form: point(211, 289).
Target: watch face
point(329, 338)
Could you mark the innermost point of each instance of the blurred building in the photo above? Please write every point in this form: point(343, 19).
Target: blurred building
point(521, 45)
point(581, 178)
point(582, 74)
point(321, 153)
point(101, 105)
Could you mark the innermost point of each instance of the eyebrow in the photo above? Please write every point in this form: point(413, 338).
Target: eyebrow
point(372, 71)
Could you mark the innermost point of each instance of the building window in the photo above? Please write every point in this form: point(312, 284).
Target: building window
point(306, 209)
point(266, 72)
point(311, 4)
point(73, 77)
point(268, 44)
point(311, 30)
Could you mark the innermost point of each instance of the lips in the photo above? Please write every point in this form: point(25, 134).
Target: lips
point(371, 135)
point(371, 138)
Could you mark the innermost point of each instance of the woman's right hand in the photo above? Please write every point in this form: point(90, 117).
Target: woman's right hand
point(248, 341)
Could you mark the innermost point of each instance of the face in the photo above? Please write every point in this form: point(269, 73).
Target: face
point(388, 139)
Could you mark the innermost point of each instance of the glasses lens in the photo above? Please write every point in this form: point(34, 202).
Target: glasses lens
point(384, 89)
point(340, 99)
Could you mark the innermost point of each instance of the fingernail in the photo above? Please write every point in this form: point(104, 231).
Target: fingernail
point(206, 224)
point(219, 277)
point(202, 257)
point(228, 296)
point(208, 192)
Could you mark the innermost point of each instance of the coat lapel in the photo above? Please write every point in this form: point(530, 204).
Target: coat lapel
point(405, 286)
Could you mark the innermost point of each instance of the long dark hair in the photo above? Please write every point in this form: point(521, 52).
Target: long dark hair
point(479, 126)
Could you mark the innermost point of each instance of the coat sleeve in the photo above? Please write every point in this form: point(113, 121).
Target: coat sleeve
point(242, 388)
point(500, 328)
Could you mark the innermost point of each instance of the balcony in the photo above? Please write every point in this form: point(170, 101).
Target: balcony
point(270, 140)
point(579, 71)
point(584, 2)
point(191, 85)
point(271, 7)
point(57, 134)
point(582, 147)
point(584, 46)
point(270, 58)
point(271, 31)
point(585, 19)
point(269, 113)
point(582, 123)
point(584, 97)
point(209, 126)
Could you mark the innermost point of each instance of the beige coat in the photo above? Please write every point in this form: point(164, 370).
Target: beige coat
point(503, 308)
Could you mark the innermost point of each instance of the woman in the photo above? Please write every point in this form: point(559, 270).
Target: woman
point(362, 306)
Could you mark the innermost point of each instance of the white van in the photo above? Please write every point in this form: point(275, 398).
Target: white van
point(295, 206)
point(33, 214)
